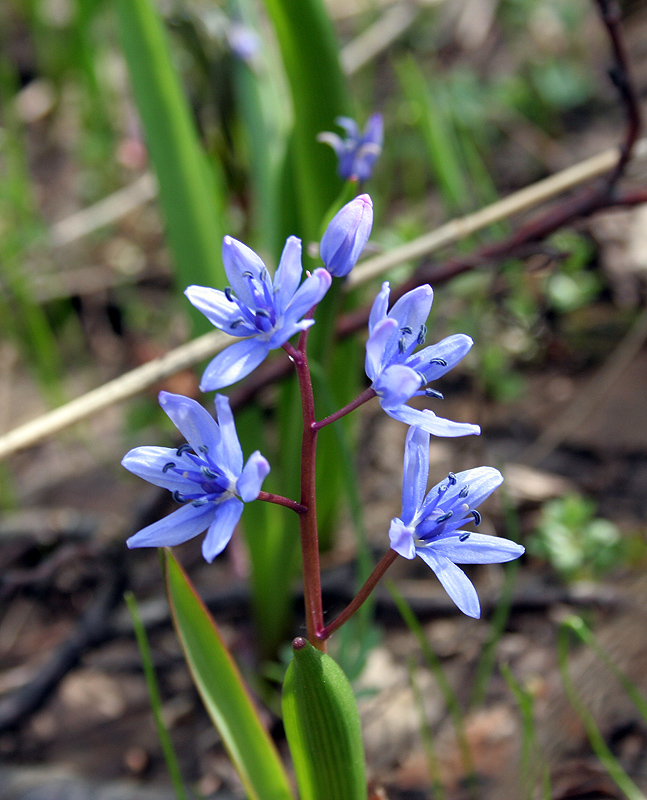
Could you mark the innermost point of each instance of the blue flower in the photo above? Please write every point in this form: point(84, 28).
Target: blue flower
point(358, 152)
point(206, 475)
point(398, 372)
point(346, 236)
point(430, 525)
point(266, 313)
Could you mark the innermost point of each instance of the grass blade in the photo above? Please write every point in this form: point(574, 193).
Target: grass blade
point(190, 195)
point(223, 692)
point(155, 699)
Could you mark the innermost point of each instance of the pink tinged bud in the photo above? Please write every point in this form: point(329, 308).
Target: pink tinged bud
point(346, 236)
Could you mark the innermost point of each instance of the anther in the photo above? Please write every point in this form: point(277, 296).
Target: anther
point(407, 330)
point(168, 466)
point(402, 344)
point(452, 479)
point(440, 362)
point(201, 501)
point(248, 274)
point(262, 312)
point(422, 334)
point(443, 488)
point(236, 322)
point(203, 449)
point(178, 497)
point(208, 473)
point(229, 294)
point(434, 393)
point(464, 491)
point(263, 275)
point(182, 449)
point(464, 536)
point(477, 517)
point(445, 517)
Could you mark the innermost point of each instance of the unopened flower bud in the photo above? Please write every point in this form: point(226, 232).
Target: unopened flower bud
point(346, 236)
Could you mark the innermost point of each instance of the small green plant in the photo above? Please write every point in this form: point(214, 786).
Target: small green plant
point(578, 544)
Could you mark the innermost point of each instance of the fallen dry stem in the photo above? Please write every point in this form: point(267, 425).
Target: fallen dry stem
point(190, 354)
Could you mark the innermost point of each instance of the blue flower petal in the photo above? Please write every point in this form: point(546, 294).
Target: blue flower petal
point(220, 312)
point(193, 421)
point(234, 363)
point(416, 471)
point(479, 481)
point(231, 454)
point(451, 350)
point(252, 477)
point(401, 539)
point(380, 307)
point(429, 422)
point(376, 346)
point(222, 528)
point(149, 463)
point(178, 527)
point(478, 548)
point(395, 385)
point(455, 582)
point(307, 296)
point(345, 237)
point(238, 259)
point(288, 274)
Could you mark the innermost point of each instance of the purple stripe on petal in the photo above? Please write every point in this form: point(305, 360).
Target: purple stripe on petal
point(151, 464)
point(416, 471)
point(478, 548)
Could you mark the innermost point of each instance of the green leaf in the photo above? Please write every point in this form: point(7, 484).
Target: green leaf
point(223, 692)
point(322, 727)
point(189, 192)
point(310, 55)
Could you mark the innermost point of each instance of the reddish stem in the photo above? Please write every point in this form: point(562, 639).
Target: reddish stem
point(282, 501)
point(364, 397)
point(308, 520)
point(361, 597)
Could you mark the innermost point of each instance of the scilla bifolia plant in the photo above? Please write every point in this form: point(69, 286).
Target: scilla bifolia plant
point(211, 482)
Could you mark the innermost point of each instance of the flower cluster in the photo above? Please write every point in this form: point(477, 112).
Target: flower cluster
point(206, 475)
point(358, 152)
point(399, 372)
point(431, 523)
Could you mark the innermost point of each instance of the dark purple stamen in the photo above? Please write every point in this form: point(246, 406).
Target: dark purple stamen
point(440, 362)
point(228, 294)
point(434, 393)
point(464, 491)
point(182, 449)
point(464, 536)
point(477, 517)
point(168, 466)
point(452, 479)
point(422, 334)
point(445, 517)
point(179, 498)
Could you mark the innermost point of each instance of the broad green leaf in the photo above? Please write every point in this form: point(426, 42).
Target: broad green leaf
point(223, 692)
point(322, 727)
point(189, 192)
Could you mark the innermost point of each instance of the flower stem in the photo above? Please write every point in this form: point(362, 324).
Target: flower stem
point(282, 501)
point(361, 597)
point(308, 519)
point(364, 397)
